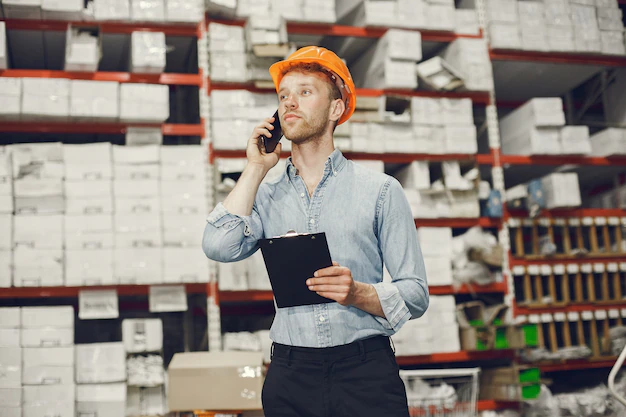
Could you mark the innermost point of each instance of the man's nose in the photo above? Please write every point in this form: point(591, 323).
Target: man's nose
point(290, 102)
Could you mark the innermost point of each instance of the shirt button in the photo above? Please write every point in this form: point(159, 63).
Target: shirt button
point(302, 195)
point(322, 319)
point(312, 221)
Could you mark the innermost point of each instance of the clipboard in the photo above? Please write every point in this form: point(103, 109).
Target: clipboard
point(292, 259)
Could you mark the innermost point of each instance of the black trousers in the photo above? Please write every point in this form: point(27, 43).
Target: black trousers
point(359, 379)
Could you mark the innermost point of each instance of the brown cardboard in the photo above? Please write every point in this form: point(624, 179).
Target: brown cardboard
point(509, 375)
point(500, 392)
point(466, 312)
point(472, 335)
point(215, 381)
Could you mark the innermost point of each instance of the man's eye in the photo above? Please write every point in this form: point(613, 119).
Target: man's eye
point(282, 97)
point(306, 92)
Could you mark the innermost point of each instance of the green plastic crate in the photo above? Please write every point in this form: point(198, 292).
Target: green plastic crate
point(531, 392)
point(531, 336)
point(529, 375)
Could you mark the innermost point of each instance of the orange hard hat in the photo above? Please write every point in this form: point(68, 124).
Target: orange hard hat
point(338, 71)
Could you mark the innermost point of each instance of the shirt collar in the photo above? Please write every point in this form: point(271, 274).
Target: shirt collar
point(336, 161)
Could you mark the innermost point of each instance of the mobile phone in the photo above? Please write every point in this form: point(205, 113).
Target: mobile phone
point(277, 134)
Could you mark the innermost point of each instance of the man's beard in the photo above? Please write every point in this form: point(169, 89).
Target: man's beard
point(307, 130)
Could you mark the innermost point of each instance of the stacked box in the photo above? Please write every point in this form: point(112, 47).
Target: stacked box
point(514, 383)
point(100, 363)
point(94, 100)
point(6, 218)
point(4, 58)
point(321, 11)
point(147, 10)
point(561, 190)
point(111, 10)
point(67, 10)
point(22, 9)
point(291, 11)
point(249, 274)
point(611, 27)
point(227, 53)
point(145, 402)
point(586, 30)
point(247, 8)
point(103, 400)
point(147, 52)
point(57, 400)
point(575, 140)
point(391, 62)
point(466, 22)
point(185, 11)
point(435, 332)
point(504, 31)
point(438, 259)
point(10, 97)
point(82, 50)
point(532, 24)
point(45, 98)
point(266, 30)
point(533, 128)
point(471, 58)
point(10, 362)
point(609, 142)
point(144, 103)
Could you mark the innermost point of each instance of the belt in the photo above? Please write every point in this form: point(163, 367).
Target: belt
point(360, 347)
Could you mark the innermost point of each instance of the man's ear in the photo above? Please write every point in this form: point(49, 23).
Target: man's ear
point(337, 108)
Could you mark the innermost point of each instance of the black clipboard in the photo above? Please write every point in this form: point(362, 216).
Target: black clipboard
point(292, 259)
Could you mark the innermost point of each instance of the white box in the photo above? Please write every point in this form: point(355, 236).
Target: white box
point(10, 397)
point(142, 136)
point(88, 232)
point(561, 190)
point(22, 9)
point(89, 205)
point(94, 100)
point(416, 175)
point(147, 52)
point(6, 269)
point(145, 205)
point(10, 411)
point(461, 139)
point(106, 400)
point(560, 38)
point(608, 142)
point(225, 38)
point(505, 35)
point(426, 111)
point(88, 154)
point(466, 22)
point(100, 363)
point(46, 400)
point(138, 266)
point(9, 338)
point(440, 16)
point(68, 10)
point(183, 173)
point(145, 401)
point(575, 140)
point(181, 230)
point(6, 238)
point(38, 232)
point(400, 44)
point(142, 335)
point(502, 11)
point(125, 155)
point(10, 317)
point(132, 230)
point(182, 265)
point(47, 375)
point(93, 172)
point(148, 103)
point(613, 42)
point(118, 10)
point(37, 267)
point(135, 188)
point(537, 112)
point(147, 10)
point(229, 66)
point(37, 160)
point(3, 47)
point(438, 270)
point(435, 241)
point(457, 111)
point(187, 11)
point(47, 337)
point(610, 18)
point(10, 95)
point(10, 367)
point(89, 267)
point(558, 13)
point(233, 276)
point(60, 317)
point(45, 97)
point(471, 58)
point(184, 155)
point(136, 172)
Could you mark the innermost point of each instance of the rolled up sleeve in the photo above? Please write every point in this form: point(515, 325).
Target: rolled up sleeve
point(406, 297)
point(229, 237)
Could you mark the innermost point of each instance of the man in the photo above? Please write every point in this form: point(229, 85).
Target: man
point(331, 359)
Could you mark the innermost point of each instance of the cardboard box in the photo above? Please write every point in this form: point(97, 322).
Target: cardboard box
point(144, 103)
point(47, 375)
point(136, 188)
point(438, 270)
point(10, 397)
point(143, 136)
point(89, 205)
point(6, 225)
point(86, 157)
point(100, 363)
point(138, 230)
point(609, 142)
point(89, 267)
point(147, 52)
point(4, 59)
point(94, 100)
point(22, 9)
point(10, 367)
point(466, 22)
point(38, 232)
point(138, 266)
point(504, 11)
point(146, 205)
point(416, 175)
point(87, 189)
point(181, 230)
point(186, 11)
point(117, 10)
point(10, 411)
point(125, 155)
point(9, 338)
point(229, 66)
point(68, 10)
point(88, 232)
point(575, 140)
point(505, 35)
point(182, 265)
point(61, 317)
point(142, 335)
point(48, 356)
point(183, 173)
point(147, 10)
point(145, 401)
point(104, 400)
point(10, 93)
point(435, 241)
point(37, 267)
point(6, 269)
point(45, 98)
point(229, 373)
point(40, 401)
point(136, 172)
point(10, 317)
point(47, 337)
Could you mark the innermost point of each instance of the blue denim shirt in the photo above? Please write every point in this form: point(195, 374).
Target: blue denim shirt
point(367, 221)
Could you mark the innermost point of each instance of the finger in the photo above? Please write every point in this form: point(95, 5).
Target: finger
point(330, 280)
point(335, 296)
point(331, 270)
point(259, 131)
point(266, 125)
point(330, 288)
point(336, 263)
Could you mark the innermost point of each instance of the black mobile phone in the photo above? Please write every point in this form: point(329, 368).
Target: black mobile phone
point(277, 134)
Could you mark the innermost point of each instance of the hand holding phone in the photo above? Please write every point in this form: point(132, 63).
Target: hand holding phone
point(277, 134)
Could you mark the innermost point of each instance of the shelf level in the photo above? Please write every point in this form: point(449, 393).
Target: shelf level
point(495, 405)
point(572, 212)
point(70, 292)
point(94, 128)
point(563, 160)
point(391, 158)
point(122, 77)
point(577, 308)
point(329, 29)
point(577, 364)
point(478, 97)
point(558, 58)
point(253, 296)
point(169, 28)
point(459, 223)
point(463, 356)
point(567, 260)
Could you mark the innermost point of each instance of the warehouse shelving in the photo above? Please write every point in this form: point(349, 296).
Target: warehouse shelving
point(71, 292)
point(562, 160)
point(462, 356)
point(570, 308)
point(572, 212)
point(122, 77)
point(577, 365)
point(558, 58)
point(172, 29)
point(176, 129)
point(493, 405)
